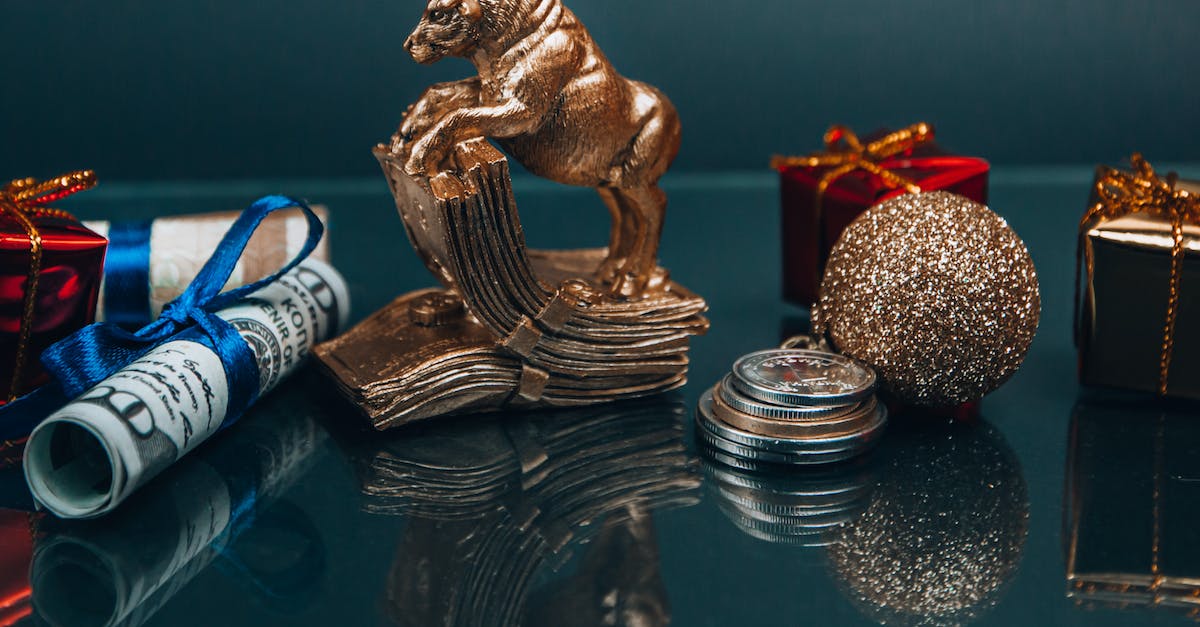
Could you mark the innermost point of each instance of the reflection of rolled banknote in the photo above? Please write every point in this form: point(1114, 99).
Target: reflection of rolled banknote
point(89, 456)
point(121, 570)
point(178, 246)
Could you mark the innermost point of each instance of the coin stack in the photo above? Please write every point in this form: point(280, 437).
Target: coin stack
point(791, 406)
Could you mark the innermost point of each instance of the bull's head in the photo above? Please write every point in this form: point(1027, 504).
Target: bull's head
point(449, 28)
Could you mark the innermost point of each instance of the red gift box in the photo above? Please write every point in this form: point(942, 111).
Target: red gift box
point(50, 271)
point(823, 193)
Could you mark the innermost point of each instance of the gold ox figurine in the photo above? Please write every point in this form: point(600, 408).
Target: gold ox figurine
point(512, 327)
point(551, 99)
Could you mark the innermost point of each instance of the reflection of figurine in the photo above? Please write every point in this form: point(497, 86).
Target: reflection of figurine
point(490, 503)
point(547, 93)
point(944, 529)
point(1133, 497)
point(619, 583)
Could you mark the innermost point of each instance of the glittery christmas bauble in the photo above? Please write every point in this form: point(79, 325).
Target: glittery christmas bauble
point(944, 530)
point(935, 292)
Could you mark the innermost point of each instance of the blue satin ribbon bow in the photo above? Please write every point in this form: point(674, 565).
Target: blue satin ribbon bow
point(95, 352)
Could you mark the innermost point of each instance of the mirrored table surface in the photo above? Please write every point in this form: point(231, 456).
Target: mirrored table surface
point(1057, 505)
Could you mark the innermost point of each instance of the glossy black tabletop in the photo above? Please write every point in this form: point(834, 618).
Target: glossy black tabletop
point(608, 515)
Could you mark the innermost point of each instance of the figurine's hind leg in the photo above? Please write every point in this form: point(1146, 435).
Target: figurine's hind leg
point(622, 235)
point(649, 203)
point(656, 143)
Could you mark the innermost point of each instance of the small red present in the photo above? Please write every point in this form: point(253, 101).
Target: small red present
point(50, 270)
point(823, 193)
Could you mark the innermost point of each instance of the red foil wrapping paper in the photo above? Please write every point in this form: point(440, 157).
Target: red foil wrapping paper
point(72, 265)
point(812, 220)
point(16, 553)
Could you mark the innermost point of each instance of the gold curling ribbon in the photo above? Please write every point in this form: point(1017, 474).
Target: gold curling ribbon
point(1141, 191)
point(844, 153)
point(24, 200)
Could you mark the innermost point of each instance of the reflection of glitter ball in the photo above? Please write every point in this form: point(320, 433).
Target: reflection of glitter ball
point(944, 530)
point(937, 293)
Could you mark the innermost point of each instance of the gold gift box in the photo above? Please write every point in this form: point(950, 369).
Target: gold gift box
point(1133, 496)
point(1123, 309)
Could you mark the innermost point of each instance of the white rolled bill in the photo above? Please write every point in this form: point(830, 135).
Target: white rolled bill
point(181, 245)
point(89, 456)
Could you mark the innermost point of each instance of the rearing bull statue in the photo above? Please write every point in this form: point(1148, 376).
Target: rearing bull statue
point(547, 94)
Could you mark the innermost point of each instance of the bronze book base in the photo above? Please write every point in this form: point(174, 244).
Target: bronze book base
point(511, 327)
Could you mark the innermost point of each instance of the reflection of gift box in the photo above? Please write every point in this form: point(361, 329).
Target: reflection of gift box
point(50, 268)
point(823, 193)
point(1140, 293)
point(16, 552)
point(150, 263)
point(1133, 496)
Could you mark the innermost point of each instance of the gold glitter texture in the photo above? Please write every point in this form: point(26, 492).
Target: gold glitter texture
point(944, 530)
point(937, 293)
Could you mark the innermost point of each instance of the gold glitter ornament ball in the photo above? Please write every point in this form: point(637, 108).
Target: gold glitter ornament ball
point(937, 293)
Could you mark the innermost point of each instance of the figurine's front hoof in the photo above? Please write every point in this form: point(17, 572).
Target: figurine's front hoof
point(609, 270)
point(414, 166)
point(659, 279)
point(396, 147)
point(627, 286)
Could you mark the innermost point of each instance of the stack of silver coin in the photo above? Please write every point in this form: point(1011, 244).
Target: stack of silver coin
point(792, 406)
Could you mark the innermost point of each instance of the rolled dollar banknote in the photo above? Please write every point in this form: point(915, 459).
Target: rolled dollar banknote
point(150, 263)
point(89, 456)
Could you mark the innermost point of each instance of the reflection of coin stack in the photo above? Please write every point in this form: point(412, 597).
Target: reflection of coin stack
point(491, 501)
point(791, 406)
point(790, 508)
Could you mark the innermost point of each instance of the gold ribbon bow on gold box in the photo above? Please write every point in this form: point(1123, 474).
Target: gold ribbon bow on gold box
point(1142, 191)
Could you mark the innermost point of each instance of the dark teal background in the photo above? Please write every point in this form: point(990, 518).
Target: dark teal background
point(196, 89)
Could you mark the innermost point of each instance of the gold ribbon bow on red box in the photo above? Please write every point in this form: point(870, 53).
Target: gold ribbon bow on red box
point(23, 200)
point(1142, 191)
point(845, 153)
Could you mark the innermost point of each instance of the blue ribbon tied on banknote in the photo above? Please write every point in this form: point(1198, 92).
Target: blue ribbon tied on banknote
point(92, 354)
point(127, 274)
